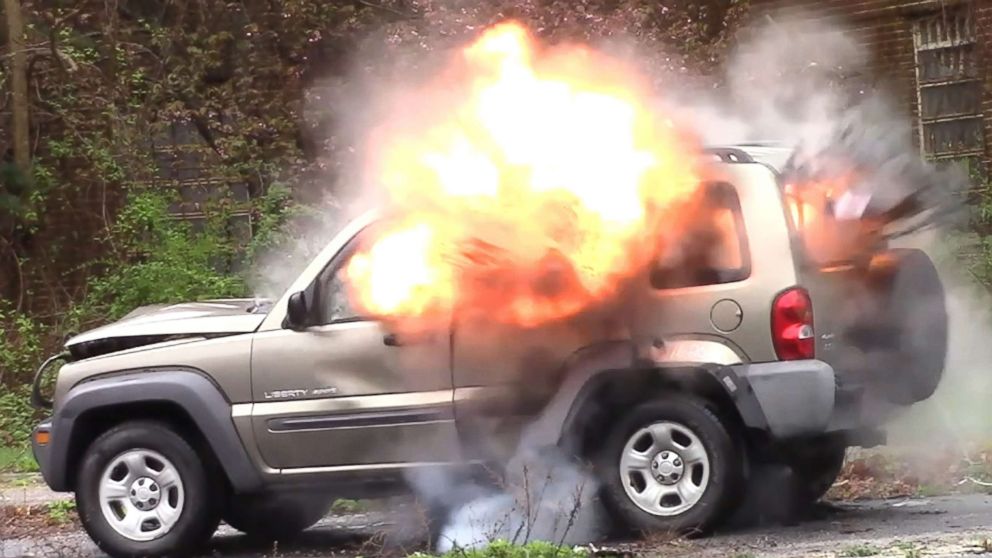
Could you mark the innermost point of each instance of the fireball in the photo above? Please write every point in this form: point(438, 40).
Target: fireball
point(525, 183)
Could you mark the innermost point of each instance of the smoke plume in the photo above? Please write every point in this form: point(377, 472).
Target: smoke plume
point(808, 85)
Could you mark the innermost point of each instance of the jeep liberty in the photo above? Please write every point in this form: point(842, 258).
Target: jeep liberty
point(179, 416)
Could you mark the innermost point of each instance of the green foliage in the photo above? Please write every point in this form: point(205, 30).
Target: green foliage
point(20, 354)
point(61, 511)
point(860, 550)
point(17, 459)
point(503, 549)
point(167, 261)
point(16, 416)
point(22, 343)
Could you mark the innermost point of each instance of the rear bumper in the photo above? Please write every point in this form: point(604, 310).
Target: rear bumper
point(797, 398)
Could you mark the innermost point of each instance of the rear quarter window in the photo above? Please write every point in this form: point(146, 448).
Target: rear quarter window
point(710, 246)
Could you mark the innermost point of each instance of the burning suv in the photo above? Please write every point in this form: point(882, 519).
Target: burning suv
point(800, 336)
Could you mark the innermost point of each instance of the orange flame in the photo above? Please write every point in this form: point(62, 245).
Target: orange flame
point(531, 195)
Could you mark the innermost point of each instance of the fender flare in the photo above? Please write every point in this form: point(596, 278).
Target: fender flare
point(592, 367)
point(192, 391)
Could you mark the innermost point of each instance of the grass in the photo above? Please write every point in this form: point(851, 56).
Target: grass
point(503, 549)
point(909, 549)
point(17, 460)
point(860, 550)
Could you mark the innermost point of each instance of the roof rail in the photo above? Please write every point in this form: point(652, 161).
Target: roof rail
point(730, 154)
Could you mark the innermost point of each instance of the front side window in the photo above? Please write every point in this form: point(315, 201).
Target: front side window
point(334, 300)
point(710, 247)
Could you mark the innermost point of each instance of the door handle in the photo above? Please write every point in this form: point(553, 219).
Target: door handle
point(396, 340)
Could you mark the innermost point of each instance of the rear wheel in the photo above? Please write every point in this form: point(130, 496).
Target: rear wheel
point(142, 490)
point(817, 469)
point(276, 516)
point(671, 464)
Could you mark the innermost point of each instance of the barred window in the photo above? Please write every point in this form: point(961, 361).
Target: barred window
point(949, 85)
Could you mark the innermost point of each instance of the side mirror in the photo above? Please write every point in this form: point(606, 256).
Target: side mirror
point(297, 311)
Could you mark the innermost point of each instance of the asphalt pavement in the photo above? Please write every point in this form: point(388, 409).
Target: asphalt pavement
point(910, 528)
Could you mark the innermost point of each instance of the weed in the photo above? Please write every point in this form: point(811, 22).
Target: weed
point(61, 511)
point(860, 550)
point(346, 506)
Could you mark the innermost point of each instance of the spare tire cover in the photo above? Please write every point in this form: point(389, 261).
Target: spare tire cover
point(901, 332)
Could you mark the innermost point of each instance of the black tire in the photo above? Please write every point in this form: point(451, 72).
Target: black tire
point(276, 516)
point(726, 471)
point(198, 518)
point(901, 335)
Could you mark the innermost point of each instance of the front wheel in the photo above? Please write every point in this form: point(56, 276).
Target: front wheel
point(671, 464)
point(142, 490)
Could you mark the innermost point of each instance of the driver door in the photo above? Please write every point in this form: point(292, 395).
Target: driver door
point(344, 392)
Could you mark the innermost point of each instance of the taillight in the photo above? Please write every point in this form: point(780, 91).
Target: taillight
point(792, 325)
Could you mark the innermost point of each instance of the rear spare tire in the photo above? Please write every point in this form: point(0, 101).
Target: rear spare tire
point(671, 464)
point(901, 336)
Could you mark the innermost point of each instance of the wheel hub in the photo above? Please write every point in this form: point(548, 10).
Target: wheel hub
point(667, 467)
point(145, 494)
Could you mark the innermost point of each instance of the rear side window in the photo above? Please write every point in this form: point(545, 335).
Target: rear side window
point(710, 248)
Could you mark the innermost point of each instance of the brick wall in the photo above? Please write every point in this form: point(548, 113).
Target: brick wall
point(885, 28)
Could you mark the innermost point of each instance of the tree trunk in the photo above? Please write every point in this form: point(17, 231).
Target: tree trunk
point(19, 84)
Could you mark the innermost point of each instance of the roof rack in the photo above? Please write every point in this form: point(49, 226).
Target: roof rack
point(730, 154)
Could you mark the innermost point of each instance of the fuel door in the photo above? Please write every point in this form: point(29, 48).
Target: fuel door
point(726, 315)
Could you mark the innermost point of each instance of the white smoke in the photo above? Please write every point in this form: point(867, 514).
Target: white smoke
point(544, 497)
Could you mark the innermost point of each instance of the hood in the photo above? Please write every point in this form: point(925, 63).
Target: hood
point(165, 322)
